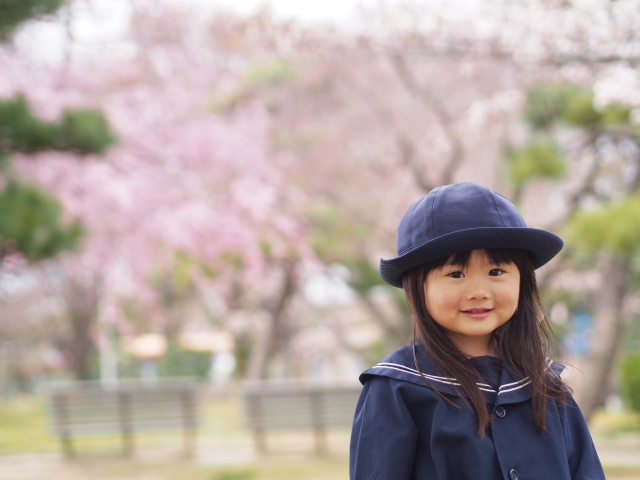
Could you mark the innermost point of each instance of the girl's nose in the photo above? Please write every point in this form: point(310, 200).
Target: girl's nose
point(477, 291)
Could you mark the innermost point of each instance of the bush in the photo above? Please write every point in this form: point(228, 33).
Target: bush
point(178, 362)
point(631, 380)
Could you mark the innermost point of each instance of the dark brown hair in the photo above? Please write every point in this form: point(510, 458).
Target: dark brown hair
point(522, 342)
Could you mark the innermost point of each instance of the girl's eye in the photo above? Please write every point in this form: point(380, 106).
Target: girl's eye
point(456, 274)
point(496, 272)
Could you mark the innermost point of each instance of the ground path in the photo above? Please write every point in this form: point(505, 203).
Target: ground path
point(168, 464)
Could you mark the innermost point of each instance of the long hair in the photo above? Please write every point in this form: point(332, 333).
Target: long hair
point(522, 342)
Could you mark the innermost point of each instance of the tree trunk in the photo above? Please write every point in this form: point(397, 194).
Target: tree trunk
point(267, 337)
point(591, 386)
point(262, 342)
point(81, 296)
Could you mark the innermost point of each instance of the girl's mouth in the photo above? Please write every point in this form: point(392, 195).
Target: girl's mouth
point(478, 312)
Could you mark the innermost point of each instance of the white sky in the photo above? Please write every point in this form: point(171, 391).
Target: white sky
point(104, 22)
point(305, 10)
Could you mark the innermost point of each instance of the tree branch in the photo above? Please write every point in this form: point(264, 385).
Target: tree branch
point(408, 157)
point(377, 315)
point(444, 117)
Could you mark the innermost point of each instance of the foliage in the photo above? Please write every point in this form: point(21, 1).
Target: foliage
point(545, 103)
point(334, 236)
point(539, 158)
point(29, 218)
point(21, 131)
point(178, 362)
point(613, 226)
point(365, 276)
point(630, 380)
point(615, 114)
point(337, 238)
point(84, 131)
point(578, 109)
point(548, 104)
point(186, 192)
point(631, 335)
point(271, 73)
point(30, 221)
point(14, 12)
point(178, 281)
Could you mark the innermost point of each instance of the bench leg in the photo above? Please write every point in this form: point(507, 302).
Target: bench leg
point(260, 441)
point(189, 442)
point(189, 420)
point(67, 447)
point(321, 441)
point(127, 444)
point(125, 411)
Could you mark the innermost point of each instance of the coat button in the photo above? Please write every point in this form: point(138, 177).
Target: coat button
point(513, 475)
point(501, 412)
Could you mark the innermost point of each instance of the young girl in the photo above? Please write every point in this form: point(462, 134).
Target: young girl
point(474, 395)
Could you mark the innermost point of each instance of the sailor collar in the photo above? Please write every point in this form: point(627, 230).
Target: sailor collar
point(503, 389)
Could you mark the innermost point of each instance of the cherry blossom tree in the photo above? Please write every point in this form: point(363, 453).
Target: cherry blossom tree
point(182, 181)
point(427, 95)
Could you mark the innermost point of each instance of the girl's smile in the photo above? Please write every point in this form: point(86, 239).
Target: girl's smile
point(478, 313)
point(471, 301)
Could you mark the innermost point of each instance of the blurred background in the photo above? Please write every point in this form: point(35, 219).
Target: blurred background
point(204, 188)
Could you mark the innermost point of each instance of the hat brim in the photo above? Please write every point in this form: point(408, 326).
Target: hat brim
point(543, 246)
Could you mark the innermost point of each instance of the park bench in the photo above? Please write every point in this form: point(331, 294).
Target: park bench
point(298, 405)
point(82, 409)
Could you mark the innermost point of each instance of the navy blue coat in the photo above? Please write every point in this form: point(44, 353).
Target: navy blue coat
point(404, 430)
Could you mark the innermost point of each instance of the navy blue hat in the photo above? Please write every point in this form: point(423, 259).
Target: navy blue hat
point(459, 218)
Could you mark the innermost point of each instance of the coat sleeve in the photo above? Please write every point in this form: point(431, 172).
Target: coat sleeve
point(584, 463)
point(384, 435)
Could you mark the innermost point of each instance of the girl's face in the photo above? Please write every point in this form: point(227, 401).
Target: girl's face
point(471, 301)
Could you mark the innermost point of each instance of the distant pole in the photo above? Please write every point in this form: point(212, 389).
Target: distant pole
point(3, 370)
point(107, 351)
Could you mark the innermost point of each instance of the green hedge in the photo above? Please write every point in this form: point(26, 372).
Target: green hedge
point(631, 380)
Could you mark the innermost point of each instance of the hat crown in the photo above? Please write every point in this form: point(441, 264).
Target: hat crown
point(453, 208)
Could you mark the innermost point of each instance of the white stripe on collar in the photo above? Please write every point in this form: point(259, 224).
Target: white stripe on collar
point(515, 388)
point(447, 380)
point(513, 383)
point(549, 363)
point(414, 370)
point(452, 381)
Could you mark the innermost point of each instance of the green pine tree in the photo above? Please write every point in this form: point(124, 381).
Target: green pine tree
point(31, 219)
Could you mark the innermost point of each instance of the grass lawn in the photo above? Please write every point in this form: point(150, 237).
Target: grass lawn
point(300, 469)
point(622, 473)
point(23, 427)
point(610, 425)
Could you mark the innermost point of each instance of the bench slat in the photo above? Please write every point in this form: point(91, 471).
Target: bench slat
point(280, 407)
point(82, 411)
